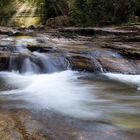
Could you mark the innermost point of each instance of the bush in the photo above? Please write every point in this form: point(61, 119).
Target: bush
point(90, 12)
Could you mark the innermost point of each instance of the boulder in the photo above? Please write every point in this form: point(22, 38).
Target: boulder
point(82, 63)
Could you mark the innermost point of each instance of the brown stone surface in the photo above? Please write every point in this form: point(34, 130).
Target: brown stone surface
point(119, 65)
point(22, 125)
point(117, 51)
point(78, 50)
point(18, 125)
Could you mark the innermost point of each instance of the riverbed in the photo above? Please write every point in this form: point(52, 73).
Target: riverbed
point(57, 88)
point(82, 101)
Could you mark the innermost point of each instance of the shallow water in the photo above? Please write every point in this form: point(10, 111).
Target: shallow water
point(69, 102)
point(109, 98)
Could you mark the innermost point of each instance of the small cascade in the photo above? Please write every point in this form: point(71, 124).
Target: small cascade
point(98, 65)
point(15, 62)
point(37, 63)
point(42, 83)
point(96, 55)
point(29, 67)
point(50, 63)
point(25, 61)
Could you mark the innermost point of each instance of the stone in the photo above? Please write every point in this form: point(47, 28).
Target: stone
point(82, 63)
point(32, 27)
point(119, 65)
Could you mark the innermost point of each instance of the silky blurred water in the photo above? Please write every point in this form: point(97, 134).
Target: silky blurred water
point(113, 98)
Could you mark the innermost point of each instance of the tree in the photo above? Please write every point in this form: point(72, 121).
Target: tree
point(55, 8)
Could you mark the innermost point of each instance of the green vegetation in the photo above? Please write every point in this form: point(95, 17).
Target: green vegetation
point(91, 12)
point(56, 8)
point(82, 12)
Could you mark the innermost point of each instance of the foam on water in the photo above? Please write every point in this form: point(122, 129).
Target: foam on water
point(60, 92)
point(132, 80)
point(65, 93)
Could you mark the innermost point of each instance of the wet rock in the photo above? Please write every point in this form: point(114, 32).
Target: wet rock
point(103, 63)
point(119, 65)
point(40, 48)
point(14, 33)
point(113, 53)
point(82, 63)
point(131, 50)
point(119, 31)
point(102, 31)
point(40, 28)
point(31, 27)
point(10, 32)
point(7, 128)
point(129, 39)
point(29, 128)
point(20, 125)
point(4, 62)
point(79, 31)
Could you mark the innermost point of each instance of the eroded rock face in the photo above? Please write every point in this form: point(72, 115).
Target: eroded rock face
point(81, 63)
point(117, 53)
point(119, 66)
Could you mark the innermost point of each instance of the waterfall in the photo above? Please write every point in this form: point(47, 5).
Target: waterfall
point(98, 65)
point(96, 55)
point(44, 83)
point(29, 67)
point(23, 60)
point(38, 63)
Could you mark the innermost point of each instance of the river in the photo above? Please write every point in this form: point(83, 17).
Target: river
point(87, 105)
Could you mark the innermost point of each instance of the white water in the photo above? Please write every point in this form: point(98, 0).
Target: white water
point(132, 80)
point(60, 92)
point(64, 93)
point(34, 62)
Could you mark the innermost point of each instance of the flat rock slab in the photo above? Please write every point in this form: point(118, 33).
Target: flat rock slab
point(112, 52)
point(19, 125)
point(102, 30)
point(119, 65)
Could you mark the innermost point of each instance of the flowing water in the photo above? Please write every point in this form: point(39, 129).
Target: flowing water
point(52, 87)
point(72, 94)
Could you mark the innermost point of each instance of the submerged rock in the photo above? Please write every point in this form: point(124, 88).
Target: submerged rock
point(19, 125)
